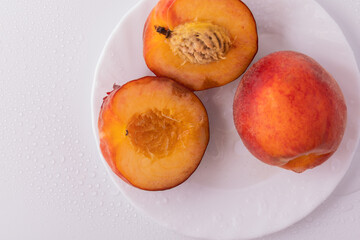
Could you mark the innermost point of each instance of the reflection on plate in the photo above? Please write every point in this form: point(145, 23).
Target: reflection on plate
point(232, 195)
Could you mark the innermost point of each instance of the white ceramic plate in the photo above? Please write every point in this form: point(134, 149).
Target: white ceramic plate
point(232, 195)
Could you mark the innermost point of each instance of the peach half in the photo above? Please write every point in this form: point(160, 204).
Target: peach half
point(153, 132)
point(289, 111)
point(201, 44)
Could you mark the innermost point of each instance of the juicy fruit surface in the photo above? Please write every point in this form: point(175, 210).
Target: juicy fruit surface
point(289, 111)
point(204, 43)
point(153, 132)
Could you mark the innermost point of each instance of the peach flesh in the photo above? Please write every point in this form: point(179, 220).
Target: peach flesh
point(200, 44)
point(153, 132)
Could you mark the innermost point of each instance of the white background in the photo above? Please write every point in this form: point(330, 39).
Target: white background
point(52, 182)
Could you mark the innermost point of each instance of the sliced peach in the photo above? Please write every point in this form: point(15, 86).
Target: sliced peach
point(153, 132)
point(201, 44)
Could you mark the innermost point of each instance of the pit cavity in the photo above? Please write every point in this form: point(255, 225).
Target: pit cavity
point(198, 42)
point(153, 133)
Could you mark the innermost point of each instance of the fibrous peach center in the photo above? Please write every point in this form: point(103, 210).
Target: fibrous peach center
point(198, 42)
point(153, 133)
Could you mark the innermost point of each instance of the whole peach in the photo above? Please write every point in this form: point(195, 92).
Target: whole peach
point(289, 111)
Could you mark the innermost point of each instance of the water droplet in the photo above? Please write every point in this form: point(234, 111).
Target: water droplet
point(347, 208)
point(335, 164)
point(216, 218)
point(115, 192)
point(235, 221)
point(62, 159)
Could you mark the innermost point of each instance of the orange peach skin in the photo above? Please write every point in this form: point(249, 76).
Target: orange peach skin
point(233, 15)
point(289, 111)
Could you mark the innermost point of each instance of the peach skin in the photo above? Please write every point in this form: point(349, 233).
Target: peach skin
point(289, 111)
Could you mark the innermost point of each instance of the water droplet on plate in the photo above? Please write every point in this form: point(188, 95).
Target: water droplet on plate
point(347, 208)
point(216, 218)
point(335, 164)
